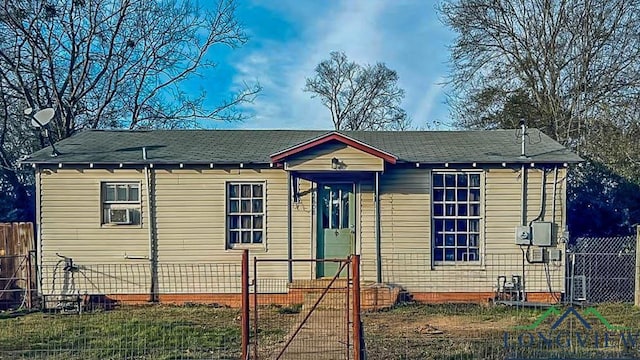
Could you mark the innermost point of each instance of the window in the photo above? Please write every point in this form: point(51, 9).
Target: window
point(456, 217)
point(121, 203)
point(245, 213)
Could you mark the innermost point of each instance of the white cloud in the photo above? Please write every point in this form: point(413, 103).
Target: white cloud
point(368, 31)
point(427, 102)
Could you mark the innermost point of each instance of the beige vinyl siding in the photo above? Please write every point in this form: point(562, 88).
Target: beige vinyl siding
point(503, 214)
point(71, 225)
point(503, 203)
point(319, 159)
point(407, 238)
point(405, 230)
point(71, 217)
point(190, 232)
point(367, 230)
point(405, 211)
point(191, 226)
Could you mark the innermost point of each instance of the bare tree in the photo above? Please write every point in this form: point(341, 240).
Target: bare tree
point(574, 60)
point(115, 63)
point(570, 68)
point(359, 97)
point(107, 64)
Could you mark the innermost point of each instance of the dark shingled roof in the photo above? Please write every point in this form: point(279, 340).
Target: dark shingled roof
point(256, 146)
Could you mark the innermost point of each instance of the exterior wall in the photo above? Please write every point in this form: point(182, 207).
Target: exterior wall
point(367, 230)
point(189, 231)
point(406, 233)
point(319, 159)
point(191, 227)
point(70, 225)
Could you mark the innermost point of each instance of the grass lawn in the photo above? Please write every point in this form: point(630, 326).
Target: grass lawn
point(145, 332)
point(478, 332)
point(202, 332)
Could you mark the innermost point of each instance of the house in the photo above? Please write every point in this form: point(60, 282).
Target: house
point(448, 216)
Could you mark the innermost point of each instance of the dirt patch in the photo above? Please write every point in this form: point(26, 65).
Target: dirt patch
point(323, 336)
point(464, 324)
point(479, 324)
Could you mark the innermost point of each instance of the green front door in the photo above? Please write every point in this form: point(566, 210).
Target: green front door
point(336, 226)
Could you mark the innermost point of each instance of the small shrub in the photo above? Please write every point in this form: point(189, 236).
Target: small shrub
point(293, 309)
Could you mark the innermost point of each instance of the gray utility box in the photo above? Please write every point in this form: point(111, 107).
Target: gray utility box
point(538, 255)
point(522, 235)
point(541, 233)
point(555, 254)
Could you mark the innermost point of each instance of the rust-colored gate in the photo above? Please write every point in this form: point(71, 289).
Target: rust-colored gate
point(297, 316)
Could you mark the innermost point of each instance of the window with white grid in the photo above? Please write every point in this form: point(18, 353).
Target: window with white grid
point(456, 199)
point(121, 203)
point(245, 213)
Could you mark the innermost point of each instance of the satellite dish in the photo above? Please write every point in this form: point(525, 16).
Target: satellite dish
point(43, 117)
point(28, 111)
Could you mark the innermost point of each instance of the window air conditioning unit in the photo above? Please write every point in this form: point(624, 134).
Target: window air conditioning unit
point(120, 216)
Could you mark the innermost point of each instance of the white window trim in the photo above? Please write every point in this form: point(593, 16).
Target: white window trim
point(481, 245)
point(241, 246)
point(104, 203)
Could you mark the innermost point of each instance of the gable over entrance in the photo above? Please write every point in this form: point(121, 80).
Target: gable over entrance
point(333, 151)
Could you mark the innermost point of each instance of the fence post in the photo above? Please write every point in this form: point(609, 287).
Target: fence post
point(28, 285)
point(245, 304)
point(637, 285)
point(357, 325)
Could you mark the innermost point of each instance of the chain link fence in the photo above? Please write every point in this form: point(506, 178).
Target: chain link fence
point(602, 269)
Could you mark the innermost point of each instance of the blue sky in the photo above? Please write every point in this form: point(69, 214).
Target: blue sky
point(288, 38)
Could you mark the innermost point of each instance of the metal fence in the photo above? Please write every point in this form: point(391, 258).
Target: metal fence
point(309, 318)
point(139, 283)
point(602, 269)
point(497, 278)
point(17, 281)
point(509, 307)
point(495, 309)
point(107, 311)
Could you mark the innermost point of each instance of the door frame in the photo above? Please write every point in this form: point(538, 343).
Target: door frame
point(317, 223)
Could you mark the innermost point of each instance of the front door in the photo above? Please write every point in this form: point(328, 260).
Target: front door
point(336, 226)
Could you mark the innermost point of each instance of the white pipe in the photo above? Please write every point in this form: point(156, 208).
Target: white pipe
point(555, 189)
point(523, 129)
point(135, 257)
point(563, 208)
point(38, 228)
point(523, 195)
point(377, 229)
point(152, 267)
point(290, 194)
point(312, 227)
point(148, 191)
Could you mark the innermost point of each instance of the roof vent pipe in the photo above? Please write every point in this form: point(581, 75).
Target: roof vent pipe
point(523, 134)
point(144, 153)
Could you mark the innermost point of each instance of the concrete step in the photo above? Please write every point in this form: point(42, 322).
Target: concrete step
point(372, 296)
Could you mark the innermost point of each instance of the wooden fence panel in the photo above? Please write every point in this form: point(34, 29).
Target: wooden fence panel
point(17, 275)
point(16, 238)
